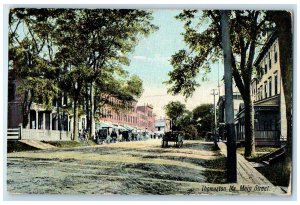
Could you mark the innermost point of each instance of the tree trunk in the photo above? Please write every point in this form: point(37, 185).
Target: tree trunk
point(249, 126)
point(92, 112)
point(75, 121)
point(87, 107)
point(26, 108)
point(285, 38)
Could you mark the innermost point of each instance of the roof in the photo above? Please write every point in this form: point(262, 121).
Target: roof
point(266, 47)
point(105, 125)
point(160, 124)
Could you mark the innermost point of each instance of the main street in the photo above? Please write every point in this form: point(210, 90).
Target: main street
point(141, 167)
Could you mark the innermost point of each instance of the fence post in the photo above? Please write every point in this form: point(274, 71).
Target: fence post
point(20, 130)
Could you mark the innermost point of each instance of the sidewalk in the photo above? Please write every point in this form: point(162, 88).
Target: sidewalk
point(37, 144)
point(246, 173)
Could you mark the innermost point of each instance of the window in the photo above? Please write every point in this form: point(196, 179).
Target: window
point(276, 84)
point(275, 54)
point(47, 123)
point(265, 88)
point(33, 119)
point(270, 86)
point(266, 68)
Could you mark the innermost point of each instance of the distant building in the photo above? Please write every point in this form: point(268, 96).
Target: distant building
point(140, 117)
point(237, 100)
point(270, 123)
point(162, 125)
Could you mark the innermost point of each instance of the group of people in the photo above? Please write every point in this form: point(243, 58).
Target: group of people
point(83, 134)
point(103, 135)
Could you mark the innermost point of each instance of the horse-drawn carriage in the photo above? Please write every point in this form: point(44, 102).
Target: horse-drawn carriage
point(101, 136)
point(172, 136)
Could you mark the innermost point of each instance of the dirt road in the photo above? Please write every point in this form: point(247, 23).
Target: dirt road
point(121, 168)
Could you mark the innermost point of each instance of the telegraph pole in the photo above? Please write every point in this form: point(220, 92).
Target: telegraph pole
point(214, 93)
point(230, 132)
point(219, 78)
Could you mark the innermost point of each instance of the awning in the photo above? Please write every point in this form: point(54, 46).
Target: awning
point(106, 125)
point(129, 127)
point(120, 127)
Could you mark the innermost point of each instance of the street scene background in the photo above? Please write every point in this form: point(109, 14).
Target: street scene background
point(159, 102)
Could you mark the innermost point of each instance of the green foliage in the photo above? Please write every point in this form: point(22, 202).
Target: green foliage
point(125, 92)
point(174, 110)
point(67, 50)
point(203, 116)
point(190, 132)
point(182, 120)
point(203, 39)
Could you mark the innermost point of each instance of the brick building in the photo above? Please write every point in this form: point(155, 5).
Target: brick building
point(139, 117)
point(49, 124)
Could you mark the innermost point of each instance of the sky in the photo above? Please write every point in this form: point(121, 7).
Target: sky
point(150, 61)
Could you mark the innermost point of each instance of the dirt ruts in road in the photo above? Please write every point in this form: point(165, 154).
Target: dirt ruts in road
point(122, 168)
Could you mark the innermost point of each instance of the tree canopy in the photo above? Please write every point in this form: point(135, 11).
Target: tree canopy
point(175, 109)
point(203, 40)
point(79, 52)
point(203, 115)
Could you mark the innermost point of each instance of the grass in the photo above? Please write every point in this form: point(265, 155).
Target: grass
point(70, 144)
point(16, 146)
point(259, 151)
point(217, 170)
point(278, 173)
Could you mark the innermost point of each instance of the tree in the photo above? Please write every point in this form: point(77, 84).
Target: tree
point(30, 57)
point(84, 46)
point(190, 132)
point(203, 38)
point(106, 37)
point(203, 115)
point(125, 92)
point(174, 110)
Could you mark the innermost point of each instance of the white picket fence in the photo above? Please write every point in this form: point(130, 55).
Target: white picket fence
point(37, 134)
point(13, 133)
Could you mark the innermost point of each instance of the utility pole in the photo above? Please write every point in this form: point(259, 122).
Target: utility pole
point(214, 93)
point(219, 78)
point(230, 132)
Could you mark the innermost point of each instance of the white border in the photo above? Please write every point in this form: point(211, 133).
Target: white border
point(213, 4)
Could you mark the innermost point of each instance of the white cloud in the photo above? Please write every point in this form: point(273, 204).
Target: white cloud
point(155, 58)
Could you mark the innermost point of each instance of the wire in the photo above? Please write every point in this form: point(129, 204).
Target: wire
point(154, 95)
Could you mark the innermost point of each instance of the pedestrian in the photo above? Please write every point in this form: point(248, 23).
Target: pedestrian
point(114, 136)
